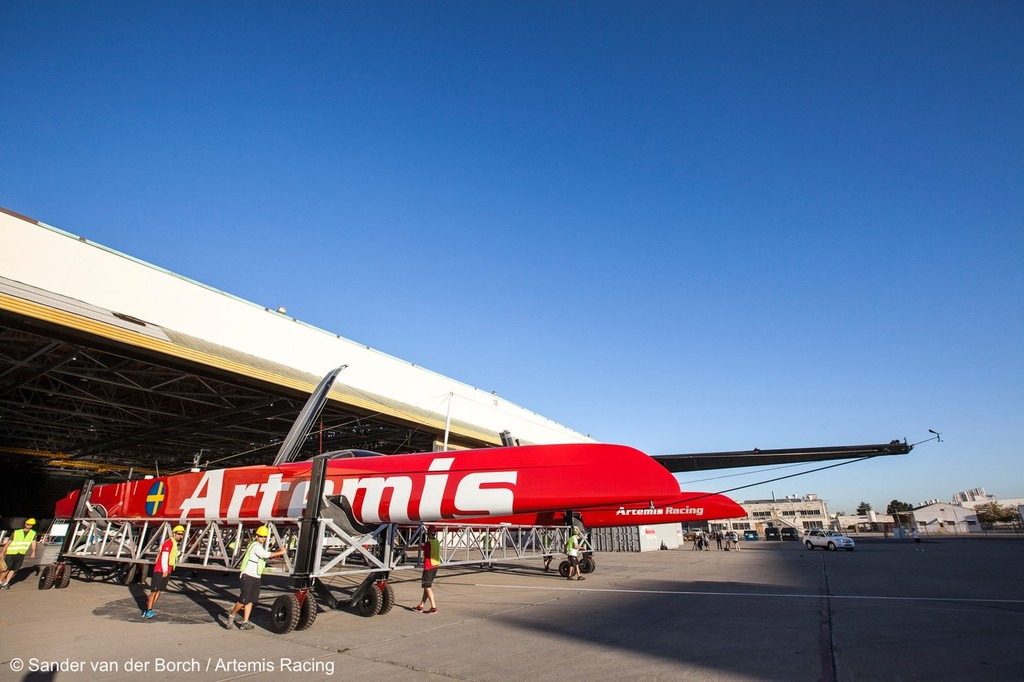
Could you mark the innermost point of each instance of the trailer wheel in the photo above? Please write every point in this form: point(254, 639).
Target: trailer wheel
point(307, 612)
point(47, 577)
point(126, 574)
point(64, 577)
point(142, 572)
point(563, 569)
point(369, 604)
point(587, 564)
point(387, 601)
point(285, 613)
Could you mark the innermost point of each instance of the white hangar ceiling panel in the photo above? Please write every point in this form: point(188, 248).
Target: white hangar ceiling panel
point(56, 277)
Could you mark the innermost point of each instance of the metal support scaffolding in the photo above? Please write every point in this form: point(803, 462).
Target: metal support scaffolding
point(330, 555)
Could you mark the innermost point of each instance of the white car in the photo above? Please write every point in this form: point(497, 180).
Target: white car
point(827, 539)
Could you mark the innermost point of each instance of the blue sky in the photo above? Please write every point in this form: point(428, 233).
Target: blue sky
point(684, 227)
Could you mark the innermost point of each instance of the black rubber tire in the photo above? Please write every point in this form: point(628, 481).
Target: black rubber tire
point(126, 574)
point(387, 600)
point(563, 569)
point(587, 564)
point(371, 601)
point(809, 545)
point(141, 573)
point(831, 546)
point(63, 577)
point(284, 614)
point(307, 612)
point(47, 577)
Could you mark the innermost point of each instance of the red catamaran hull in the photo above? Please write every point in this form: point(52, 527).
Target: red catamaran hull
point(438, 486)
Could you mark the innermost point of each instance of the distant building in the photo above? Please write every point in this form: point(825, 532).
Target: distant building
point(1016, 503)
point(977, 497)
point(938, 518)
point(932, 516)
point(1005, 502)
point(972, 495)
point(862, 523)
point(800, 513)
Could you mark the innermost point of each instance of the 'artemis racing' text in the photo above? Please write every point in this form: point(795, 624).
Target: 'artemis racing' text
point(282, 665)
point(660, 511)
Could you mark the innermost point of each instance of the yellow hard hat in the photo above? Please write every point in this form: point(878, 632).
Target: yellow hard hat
point(30, 522)
point(263, 531)
point(179, 529)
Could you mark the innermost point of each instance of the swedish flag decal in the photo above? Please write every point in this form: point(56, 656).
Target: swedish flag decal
point(155, 498)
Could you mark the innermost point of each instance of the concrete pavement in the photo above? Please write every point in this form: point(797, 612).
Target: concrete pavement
point(773, 611)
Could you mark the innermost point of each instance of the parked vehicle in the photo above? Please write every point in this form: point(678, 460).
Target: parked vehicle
point(750, 536)
point(789, 533)
point(828, 539)
point(772, 534)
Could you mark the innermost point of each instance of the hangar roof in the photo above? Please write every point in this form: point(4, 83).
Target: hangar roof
point(108, 363)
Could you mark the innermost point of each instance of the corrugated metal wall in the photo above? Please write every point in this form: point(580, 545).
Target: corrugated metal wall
point(618, 539)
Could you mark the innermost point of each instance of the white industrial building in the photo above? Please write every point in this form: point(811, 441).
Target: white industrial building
point(945, 518)
point(799, 513)
point(872, 521)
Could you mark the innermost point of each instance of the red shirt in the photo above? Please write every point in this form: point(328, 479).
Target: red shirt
point(431, 554)
point(167, 558)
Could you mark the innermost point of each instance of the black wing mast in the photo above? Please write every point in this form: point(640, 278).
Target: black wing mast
point(705, 461)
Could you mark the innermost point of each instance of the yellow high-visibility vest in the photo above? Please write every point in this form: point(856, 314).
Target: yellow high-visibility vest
point(432, 558)
point(21, 540)
point(261, 564)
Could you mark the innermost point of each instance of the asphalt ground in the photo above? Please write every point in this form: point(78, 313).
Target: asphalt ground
point(773, 611)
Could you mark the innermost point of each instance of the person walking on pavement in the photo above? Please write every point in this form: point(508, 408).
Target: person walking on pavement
point(572, 548)
point(718, 539)
point(431, 561)
point(546, 544)
point(166, 560)
point(22, 541)
point(917, 541)
point(252, 566)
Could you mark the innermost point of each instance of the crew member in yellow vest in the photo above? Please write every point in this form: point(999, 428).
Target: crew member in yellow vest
point(548, 556)
point(20, 542)
point(166, 560)
point(431, 561)
point(254, 562)
point(572, 549)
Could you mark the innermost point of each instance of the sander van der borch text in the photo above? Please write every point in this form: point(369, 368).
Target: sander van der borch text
point(165, 665)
